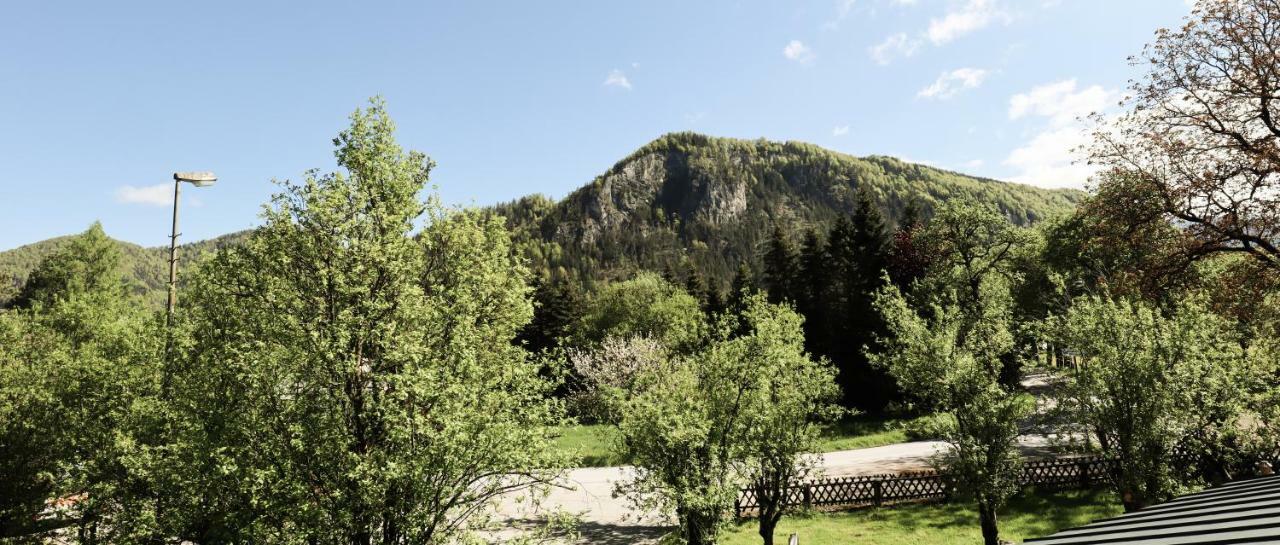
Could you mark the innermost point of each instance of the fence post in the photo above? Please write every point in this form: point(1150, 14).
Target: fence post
point(737, 508)
point(1083, 466)
point(808, 495)
point(877, 492)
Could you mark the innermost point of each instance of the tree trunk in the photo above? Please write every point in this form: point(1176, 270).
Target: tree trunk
point(987, 517)
point(767, 525)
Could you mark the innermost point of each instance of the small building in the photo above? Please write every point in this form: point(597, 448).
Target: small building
point(1238, 512)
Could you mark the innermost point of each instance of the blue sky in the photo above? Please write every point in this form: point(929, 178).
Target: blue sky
point(101, 101)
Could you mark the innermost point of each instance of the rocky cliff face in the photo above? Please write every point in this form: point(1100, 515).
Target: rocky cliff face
point(688, 200)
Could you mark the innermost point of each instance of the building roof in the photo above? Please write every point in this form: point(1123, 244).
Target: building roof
point(1239, 512)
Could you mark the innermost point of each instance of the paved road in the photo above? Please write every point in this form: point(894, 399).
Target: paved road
point(588, 492)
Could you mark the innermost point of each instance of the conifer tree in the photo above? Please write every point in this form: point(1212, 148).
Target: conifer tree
point(781, 267)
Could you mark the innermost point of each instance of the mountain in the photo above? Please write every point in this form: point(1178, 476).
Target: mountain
point(688, 200)
point(683, 201)
point(146, 268)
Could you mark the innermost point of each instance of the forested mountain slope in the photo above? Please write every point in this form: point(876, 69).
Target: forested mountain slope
point(689, 200)
point(682, 201)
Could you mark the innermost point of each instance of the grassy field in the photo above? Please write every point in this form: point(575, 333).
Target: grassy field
point(594, 443)
point(1028, 515)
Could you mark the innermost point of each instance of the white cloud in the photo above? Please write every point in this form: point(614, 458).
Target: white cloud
point(950, 83)
point(973, 15)
point(154, 195)
point(617, 78)
point(896, 45)
point(797, 51)
point(1049, 158)
point(974, 163)
point(903, 2)
point(840, 131)
point(1060, 102)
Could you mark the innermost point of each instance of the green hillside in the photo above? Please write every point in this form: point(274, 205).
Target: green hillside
point(684, 200)
point(687, 199)
point(147, 268)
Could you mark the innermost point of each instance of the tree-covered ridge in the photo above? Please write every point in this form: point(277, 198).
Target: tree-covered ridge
point(683, 202)
point(146, 268)
point(688, 201)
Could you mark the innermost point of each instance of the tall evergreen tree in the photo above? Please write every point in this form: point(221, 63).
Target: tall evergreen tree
point(744, 284)
point(811, 289)
point(869, 388)
point(557, 307)
point(781, 267)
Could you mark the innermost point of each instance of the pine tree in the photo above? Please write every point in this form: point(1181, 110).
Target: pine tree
point(781, 267)
point(869, 388)
point(810, 290)
point(557, 306)
point(744, 284)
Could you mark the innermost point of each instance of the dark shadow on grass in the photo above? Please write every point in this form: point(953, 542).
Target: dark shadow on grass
point(595, 532)
point(612, 534)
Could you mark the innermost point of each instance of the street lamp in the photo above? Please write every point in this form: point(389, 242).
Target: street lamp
point(198, 179)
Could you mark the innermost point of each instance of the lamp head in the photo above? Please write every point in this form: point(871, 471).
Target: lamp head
point(198, 179)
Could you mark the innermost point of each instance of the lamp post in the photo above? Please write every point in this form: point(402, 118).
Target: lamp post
point(198, 179)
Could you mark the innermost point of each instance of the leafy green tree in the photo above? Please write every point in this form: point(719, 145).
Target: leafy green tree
point(78, 372)
point(741, 411)
point(349, 382)
point(796, 394)
point(952, 352)
point(645, 306)
point(1151, 385)
point(907, 261)
point(90, 263)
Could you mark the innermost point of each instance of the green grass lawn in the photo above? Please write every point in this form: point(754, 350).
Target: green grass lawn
point(1026, 516)
point(594, 443)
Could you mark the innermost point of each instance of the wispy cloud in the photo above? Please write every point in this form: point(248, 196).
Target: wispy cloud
point(152, 195)
point(893, 47)
point(1049, 158)
point(974, 163)
point(950, 83)
point(962, 19)
point(843, 9)
point(840, 131)
point(1060, 102)
point(973, 15)
point(797, 51)
point(617, 78)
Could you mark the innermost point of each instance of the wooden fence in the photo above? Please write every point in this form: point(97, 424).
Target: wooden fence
point(873, 490)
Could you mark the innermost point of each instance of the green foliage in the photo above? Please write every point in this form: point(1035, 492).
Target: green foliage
point(689, 200)
point(952, 353)
point(347, 382)
point(88, 263)
point(1152, 384)
point(76, 372)
point(746, 406)
point(644, 306)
